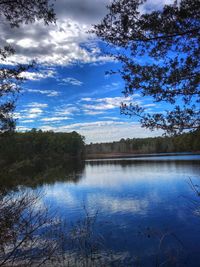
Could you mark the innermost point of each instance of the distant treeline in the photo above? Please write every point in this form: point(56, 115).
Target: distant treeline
point(29, 145)
point(187, 142)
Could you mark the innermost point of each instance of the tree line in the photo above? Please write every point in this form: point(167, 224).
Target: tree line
point(187, 142)
point(38, 144)
point(50, 147)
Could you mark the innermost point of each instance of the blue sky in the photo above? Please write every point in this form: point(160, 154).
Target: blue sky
point(70, 91)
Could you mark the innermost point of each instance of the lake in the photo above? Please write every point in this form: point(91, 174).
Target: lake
point(145, 209)
point(145, 206)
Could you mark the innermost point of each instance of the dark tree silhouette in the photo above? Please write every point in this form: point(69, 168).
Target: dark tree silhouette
point(10, 82)
point(25, 228)
point(16, 12)
point(159, 52)
point(20, 11)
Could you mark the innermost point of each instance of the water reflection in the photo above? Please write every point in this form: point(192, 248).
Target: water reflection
point(131, 196)
point(139, 203)
point(40, 171)
point(117, 173)
point(110, 204)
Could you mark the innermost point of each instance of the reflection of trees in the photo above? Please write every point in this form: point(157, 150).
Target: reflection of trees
point(140, 162)
point(195, 201)
point(30, 236)
point(39, 171)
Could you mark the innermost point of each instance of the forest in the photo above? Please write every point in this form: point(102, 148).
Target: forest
point(187, 142)
point(36, 143)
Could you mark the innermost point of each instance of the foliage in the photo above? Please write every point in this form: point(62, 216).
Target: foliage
point(159, 51)
point(187, 142)
point(16, 13)
point(18, 147)
point(10, 82)
point(24, 231)
point(31, 236)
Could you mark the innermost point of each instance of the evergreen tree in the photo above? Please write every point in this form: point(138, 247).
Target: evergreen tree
point(160, 56)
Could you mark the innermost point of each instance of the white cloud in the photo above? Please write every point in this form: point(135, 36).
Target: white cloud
point(66, 110)
point(37, 105)
point(49, 93)
point(72, 81)
point(26, 43)
point(149, 105)
point(63, 43)
point(27, 121)
point(35, 76)
point(91, 112)
point(32, 111)
point(114, 86)
point(86, 99)
point(107, 103)
point(95, 106)
point(17, 115)
point(101, 106)
point(68, 40)
point(110, 118)
point(150, 5)
point(52, 119)
point(100, 131)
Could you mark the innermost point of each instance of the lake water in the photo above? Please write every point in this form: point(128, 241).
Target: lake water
point(140, 211)
point(146, 206)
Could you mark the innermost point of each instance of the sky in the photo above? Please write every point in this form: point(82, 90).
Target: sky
point(70, 90)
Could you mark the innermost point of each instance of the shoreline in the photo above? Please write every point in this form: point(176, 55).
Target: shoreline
point(129, 155)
